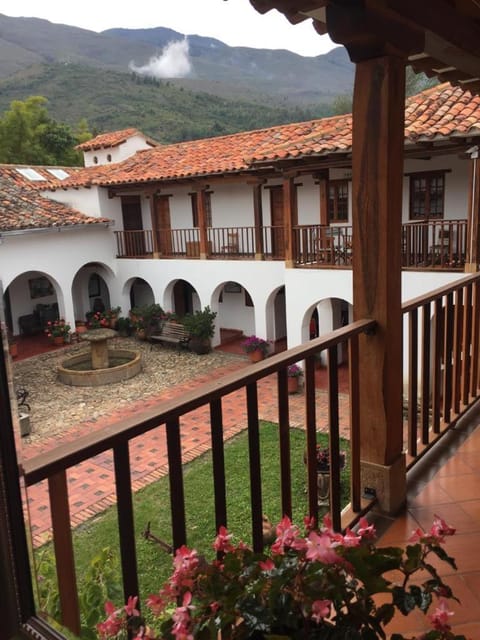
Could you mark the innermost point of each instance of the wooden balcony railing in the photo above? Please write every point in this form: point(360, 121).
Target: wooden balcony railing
point(323, 245)
point(55, 465)
point(443, 338)
point(134, 244)
point(439, 244)
point(442, 331)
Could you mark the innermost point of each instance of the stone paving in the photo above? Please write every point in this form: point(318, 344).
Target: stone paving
point(91, 484)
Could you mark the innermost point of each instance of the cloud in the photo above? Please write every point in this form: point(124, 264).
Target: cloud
point(173, 62)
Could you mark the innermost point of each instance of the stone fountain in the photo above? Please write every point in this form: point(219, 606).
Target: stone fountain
point(100, 365)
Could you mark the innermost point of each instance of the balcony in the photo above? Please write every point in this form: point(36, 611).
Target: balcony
point(435, 245)
point(442, 334)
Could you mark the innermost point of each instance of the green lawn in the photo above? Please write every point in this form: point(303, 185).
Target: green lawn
point(152, 505)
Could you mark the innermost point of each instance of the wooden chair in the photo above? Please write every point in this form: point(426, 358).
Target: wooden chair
point(325, 247)
point(232, 245)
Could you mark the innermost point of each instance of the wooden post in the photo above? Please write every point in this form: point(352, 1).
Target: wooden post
point(323, 182)
point(473, 227)
point(258, 218)
point(378, 138)
point(290, 219)
point(202, 223)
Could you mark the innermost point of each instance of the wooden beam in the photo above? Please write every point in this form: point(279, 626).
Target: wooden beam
point(473, 214)
point(258, 218)
point(378, 125)
point(290, 218)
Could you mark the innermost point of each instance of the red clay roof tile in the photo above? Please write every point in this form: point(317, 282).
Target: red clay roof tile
point(112, 139)
point(439, 111)
point(23, 207)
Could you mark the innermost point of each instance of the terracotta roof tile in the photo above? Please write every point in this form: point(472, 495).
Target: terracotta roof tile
point(112, 139)
point(22, 207)
point(441, 111)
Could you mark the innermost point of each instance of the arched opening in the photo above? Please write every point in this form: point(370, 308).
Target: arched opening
point(30, 303)
point(141, 293)
point(236, 312)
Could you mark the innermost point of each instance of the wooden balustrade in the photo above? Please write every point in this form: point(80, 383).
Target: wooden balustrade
point(168, 416)
point(134, 244)
point(443, 338)
point(439, 244)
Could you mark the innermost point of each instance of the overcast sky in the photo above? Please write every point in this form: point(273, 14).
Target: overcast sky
point(234, 22)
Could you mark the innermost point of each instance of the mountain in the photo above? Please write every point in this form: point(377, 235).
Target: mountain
point(226, 89)
point(216, 67)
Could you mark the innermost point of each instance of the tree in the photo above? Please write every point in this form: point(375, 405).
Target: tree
point(29, 136)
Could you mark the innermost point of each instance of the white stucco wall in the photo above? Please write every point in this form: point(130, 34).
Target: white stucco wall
point(117, 154)
point(59, 255)
point(456, 184)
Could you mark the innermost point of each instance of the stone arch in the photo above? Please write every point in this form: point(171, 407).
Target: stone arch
point(325, 316)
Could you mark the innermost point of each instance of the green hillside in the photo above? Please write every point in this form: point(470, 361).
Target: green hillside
point(161, 109)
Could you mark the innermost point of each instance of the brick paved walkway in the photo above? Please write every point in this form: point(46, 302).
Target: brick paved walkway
point(91, 484)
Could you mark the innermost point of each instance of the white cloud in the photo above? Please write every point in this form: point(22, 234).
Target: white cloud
point(173, 62)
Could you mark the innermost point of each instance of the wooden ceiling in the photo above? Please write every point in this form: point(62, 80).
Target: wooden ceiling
point(439, 37)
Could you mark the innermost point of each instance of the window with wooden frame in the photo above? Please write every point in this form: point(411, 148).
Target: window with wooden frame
point(207, 204)
point(427, 195)
point(338, 201)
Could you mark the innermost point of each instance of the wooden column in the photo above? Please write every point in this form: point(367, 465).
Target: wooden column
point(290, 219)
point(378, 139)
point(153, 217)
point(473, 227)
point(323, 185)
point(202, 223)
point(258, 218)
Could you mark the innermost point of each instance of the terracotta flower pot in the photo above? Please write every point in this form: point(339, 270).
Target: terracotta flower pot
point(57, 340)
point(13, 348)
point(292, 384)
point(256, 355)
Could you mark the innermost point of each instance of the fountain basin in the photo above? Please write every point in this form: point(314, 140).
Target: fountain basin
point(77, 371)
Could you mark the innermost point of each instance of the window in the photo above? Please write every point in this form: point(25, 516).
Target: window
point(95, 160)
point(109, 157)
point(338, 201)
point(207, 204)
point(427, 192)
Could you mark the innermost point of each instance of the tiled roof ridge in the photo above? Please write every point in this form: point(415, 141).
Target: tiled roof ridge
point(113, 139)
point(441, 111)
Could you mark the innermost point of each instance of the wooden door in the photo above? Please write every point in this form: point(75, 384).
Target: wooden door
point(162, 225)
point(277, 221)
point(133, 226)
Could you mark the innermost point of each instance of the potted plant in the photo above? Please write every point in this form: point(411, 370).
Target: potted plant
point(58, 331)
point(294, 373)
point(146, 319)
point(323, 473)
point(201, 328)
point(111, 316)
point(255, 347)
point(124, 326)
point(319, 585)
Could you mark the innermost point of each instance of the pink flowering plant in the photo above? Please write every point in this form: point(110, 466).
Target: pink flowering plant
point(252, 343)
point(320, 584)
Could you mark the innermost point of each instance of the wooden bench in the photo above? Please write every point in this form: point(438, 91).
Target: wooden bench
point(172, 332)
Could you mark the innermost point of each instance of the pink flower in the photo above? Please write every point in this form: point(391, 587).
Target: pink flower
point(440, 529)
point(182, 620)
point(267, 565)
point(321, 548)
point(130, 606)
point(320, 609)
point(288, 537)
point(366, 530)
point(155, 603)
point(440, 616)
point(417, 535)
point(222, 541)
point(350, 539)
